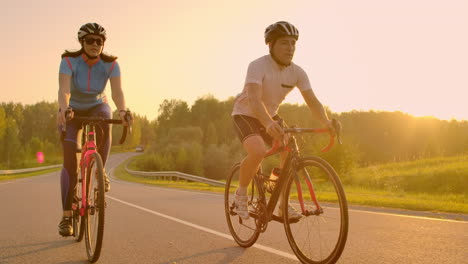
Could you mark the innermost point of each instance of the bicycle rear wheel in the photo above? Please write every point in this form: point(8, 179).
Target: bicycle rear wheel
point(319, 236)
point(78, 221)
point(244, 232)
point(94, 215)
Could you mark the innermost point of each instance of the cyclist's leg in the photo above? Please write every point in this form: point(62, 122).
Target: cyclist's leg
point(252, 135)
point(254, 145)
point(255, 148)
point(68, 175)
point(249, 132)
point(69, 170)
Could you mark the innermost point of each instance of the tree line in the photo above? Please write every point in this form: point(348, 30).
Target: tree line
point(28, 129)
point(200, 139)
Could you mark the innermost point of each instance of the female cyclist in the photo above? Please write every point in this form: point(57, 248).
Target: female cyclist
point(83, 75)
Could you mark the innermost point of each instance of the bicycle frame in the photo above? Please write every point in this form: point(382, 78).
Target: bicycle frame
point(291, 162)
point(89, 147)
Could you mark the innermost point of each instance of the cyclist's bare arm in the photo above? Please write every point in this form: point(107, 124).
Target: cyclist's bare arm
point(255, 101)
point(118, 97)
point(63, 96)
point(316, 107)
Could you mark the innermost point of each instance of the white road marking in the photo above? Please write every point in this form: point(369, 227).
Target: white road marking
point(229, 237)
point(410, 216)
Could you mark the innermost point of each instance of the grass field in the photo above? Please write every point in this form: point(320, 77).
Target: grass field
point(445, 175)
point(437, 185)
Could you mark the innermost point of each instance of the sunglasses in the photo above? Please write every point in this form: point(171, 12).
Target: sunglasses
point(90, 41)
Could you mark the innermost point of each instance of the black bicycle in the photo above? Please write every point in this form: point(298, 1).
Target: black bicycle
point(319, 236)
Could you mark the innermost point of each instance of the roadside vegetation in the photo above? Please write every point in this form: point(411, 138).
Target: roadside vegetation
point(403, 185)
point(389, 159)
point(25, 175)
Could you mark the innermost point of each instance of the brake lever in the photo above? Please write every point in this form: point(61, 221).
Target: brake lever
point(337, 126)
point(129, 119)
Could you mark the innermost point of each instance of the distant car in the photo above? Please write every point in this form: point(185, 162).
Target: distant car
point(139, 149)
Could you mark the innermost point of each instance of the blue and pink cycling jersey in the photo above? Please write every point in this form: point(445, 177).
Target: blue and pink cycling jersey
point(87, 98)
point(88, 80)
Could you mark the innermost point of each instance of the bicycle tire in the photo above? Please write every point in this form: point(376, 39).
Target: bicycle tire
point(317, 239)
point(244, 232)
point(94, 215)
point(78, 221)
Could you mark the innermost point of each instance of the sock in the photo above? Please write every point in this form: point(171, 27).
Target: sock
point(241, 191)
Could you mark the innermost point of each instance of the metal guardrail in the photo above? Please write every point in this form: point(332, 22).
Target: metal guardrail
point(9, 172)
point(158, 175)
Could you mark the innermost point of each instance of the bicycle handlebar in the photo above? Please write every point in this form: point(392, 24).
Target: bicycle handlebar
point(97, 119)
point(294, 130)
point(107, 121)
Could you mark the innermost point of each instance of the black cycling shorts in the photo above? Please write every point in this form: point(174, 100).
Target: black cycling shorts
point(247, 126)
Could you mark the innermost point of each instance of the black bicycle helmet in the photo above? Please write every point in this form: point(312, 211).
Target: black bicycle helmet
point(91, 28)
point(280, 29)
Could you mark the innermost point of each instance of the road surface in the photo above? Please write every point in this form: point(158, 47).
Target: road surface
point(147, 224)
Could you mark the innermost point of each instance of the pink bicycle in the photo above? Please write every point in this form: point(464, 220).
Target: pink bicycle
point(319, 235)
point(89, 202)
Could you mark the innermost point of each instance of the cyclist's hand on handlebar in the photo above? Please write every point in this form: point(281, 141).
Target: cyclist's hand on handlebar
point(335, 128)
point(126, 117)
point(275, 130)
point(331, 127)
point(64, 116)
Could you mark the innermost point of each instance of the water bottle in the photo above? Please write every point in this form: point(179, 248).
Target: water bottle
point(275, 172)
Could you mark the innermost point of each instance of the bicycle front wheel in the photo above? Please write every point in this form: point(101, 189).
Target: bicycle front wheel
point(320, 235)
point(94, 215)
point(244, 232)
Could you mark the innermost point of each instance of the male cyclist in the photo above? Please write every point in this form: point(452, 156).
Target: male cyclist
point(269, 79)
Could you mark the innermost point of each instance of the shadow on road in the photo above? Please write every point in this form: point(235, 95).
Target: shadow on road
point(230, 254)
point(16, 250)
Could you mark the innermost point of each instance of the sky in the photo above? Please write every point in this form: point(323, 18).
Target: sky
point(401, 55)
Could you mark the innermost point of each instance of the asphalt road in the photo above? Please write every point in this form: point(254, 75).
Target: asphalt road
point(147, 224)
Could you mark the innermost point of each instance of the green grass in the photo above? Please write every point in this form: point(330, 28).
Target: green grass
point(445, 175)
point(24, 175)
point(436, 184)
point(450, 203)
point(410, 201)
point(115, 149)
point(405, 185)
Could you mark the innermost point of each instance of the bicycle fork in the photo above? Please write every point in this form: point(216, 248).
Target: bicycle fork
point(308, 181)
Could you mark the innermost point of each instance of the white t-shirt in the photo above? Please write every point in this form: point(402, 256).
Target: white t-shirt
point(276, 82)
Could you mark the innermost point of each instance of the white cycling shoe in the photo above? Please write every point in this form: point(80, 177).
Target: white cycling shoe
point(241, 206)
point(293, 214)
